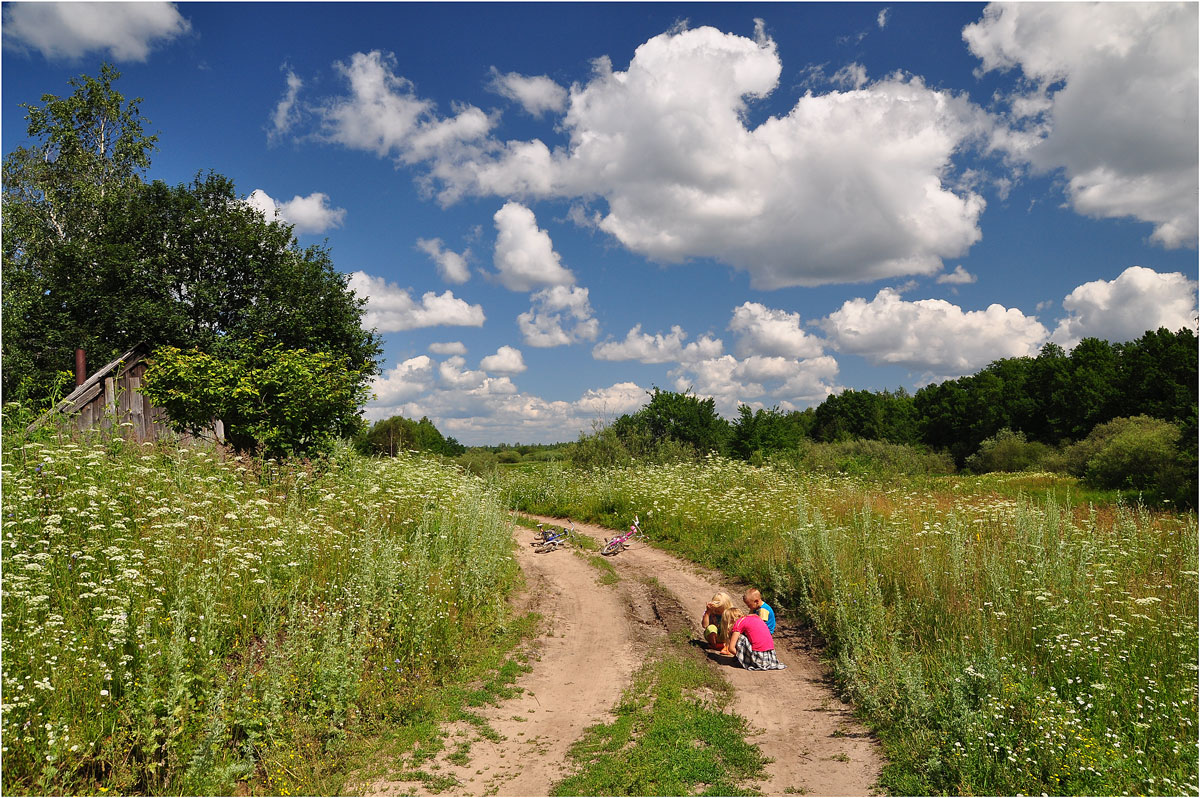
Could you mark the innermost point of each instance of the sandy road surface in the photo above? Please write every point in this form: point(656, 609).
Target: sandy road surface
point(578, 674)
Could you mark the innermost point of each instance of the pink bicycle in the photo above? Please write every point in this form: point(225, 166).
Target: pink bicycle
point(621, 542)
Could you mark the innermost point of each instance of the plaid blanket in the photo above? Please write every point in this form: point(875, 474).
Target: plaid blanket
point(756, 660)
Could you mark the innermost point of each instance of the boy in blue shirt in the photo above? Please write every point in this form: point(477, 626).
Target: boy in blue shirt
point(759, 607)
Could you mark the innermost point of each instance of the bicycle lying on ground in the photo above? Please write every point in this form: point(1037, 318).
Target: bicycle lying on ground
point(621, 542)
point(551, 540)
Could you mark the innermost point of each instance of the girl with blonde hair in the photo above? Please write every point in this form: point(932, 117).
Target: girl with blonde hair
point(715, 621)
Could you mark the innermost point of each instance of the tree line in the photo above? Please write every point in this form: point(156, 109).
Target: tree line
point(1139, 396)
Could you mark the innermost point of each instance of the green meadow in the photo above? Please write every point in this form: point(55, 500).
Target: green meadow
point(999, 636)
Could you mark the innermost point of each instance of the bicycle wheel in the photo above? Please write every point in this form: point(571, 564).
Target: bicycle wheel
point(611, 547)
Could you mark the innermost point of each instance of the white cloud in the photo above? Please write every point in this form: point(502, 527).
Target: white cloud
point(478, 409)
point(535, 94)
point(763, 331)
point(1139, 299)
point(310, 214)
point(453, 375)
point(384, 115)
point(450, 265)
point(507, 360)
point(658, 348)
point(286, 114)
point(559, 315)
point(524, 257)
point(718, 378)
point(1113, 103)
point(614, 401)
point(882, 18)
point(448, 348)
point(959, 276)
point(787, 381)
point(126, 31)
point(391, 308)
point(408, 380)
point(849, 186)
point(931, 334)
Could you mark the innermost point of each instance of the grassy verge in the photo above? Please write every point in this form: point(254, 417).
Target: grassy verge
point(175, 621)
point(409, 744)
point(671, 736)
point(998, 642)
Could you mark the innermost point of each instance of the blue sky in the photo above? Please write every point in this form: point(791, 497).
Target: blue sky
point(554, 208)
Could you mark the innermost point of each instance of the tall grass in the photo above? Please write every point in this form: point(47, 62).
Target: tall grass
point(999, 645)
point(172, 619)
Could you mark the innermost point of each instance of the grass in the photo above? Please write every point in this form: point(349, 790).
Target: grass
point(178, 621)
point(671, 736)
point(999, 634)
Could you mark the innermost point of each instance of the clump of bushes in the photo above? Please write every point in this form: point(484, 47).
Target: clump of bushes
point(1008, 450)
point(1139, 453)
point(867, 457)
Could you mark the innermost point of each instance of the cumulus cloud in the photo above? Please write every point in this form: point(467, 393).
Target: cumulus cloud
point(537, 94)
point(763, 331)
point(848, 186)
point(448, 348)
point(882, 19)
point(786, 381)
point(1139, 299)
point(524, 257)
point(614, 401)
point(311, 214)
point(959, 276)
point(286, 113)
point(475, 408)
point(392, 309)
point(658, 348)
point(450, 265)
point(559, 315)
point(1112, 104)
point(507, 360)
point(408, 380)
point(931, 335)
point(383, 114)
point(125, 31)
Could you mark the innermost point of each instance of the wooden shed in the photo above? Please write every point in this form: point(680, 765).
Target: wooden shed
point(113, 395)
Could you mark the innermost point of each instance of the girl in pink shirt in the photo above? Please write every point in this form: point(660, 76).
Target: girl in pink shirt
point(750, 641)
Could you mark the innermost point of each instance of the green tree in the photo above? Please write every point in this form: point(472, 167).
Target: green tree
point(190, 266)
point(685, 419)
point(390, 436)
point(276, 401)
point(87, 151)
point(767, 431)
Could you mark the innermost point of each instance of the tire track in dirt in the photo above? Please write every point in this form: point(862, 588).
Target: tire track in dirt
point(818, 746)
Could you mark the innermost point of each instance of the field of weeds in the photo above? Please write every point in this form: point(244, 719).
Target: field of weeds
point(178, 622)
point(999, 641)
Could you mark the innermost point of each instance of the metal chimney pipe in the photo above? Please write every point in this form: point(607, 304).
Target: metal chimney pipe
point(80, 367)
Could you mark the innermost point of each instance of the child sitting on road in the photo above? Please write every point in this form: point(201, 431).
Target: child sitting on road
point(714, 621)
point(751, 643)
point(760, 608)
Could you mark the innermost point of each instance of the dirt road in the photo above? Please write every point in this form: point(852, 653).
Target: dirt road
point(578, 674)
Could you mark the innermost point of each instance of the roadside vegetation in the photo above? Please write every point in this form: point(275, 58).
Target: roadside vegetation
point(177, 621)
point(999, 640)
